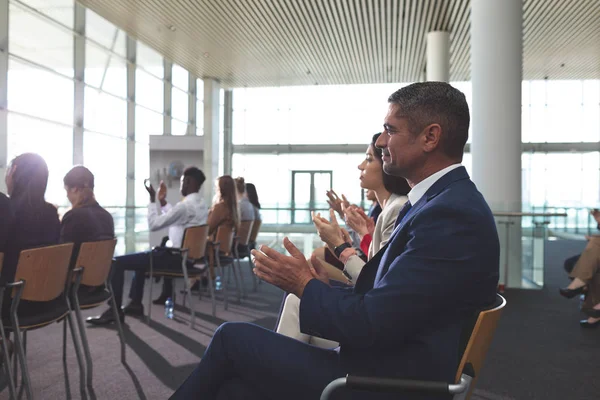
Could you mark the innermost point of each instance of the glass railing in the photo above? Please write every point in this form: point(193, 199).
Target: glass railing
point(522, 237)
point(569, 220)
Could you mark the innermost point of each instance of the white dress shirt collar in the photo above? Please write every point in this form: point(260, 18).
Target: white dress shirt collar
point(422, 187)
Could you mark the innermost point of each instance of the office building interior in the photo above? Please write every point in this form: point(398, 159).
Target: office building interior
point(288, 94)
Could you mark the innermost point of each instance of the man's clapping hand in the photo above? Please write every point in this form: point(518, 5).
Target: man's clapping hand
point(289, 273)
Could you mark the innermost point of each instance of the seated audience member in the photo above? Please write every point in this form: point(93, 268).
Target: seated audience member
point(405, 314)
point(224, 211)
point(191, 211)
point(375, 208)
point(87, 221)
point(246, 210)
point(6, 220)
point(391, 192)
point(571, 261)
point(253, 198)
point(35, 222)
point(586, 279)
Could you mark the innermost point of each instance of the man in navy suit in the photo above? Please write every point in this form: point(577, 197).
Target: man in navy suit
point(405, 315)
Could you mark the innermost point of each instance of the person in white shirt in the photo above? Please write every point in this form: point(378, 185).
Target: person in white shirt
point(190, 211)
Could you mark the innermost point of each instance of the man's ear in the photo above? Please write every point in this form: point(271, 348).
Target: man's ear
point(432, 137)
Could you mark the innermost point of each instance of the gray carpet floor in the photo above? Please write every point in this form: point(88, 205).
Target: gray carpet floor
point(539, 351)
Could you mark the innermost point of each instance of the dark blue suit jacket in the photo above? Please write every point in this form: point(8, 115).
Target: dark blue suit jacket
point(405, 315)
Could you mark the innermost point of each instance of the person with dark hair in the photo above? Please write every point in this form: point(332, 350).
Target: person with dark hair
point(246, 210)
point(191, 211)
point(405, 315)
point(35, 222)
point(391, 192)
point(87, 221)
point(253, 198)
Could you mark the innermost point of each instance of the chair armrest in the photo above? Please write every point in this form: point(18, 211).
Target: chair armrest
point(392, 385)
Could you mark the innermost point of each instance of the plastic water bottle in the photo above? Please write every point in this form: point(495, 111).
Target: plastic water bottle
point(218, 283)
point(169, 308)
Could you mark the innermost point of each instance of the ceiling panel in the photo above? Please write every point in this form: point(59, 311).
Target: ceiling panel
point(306, 42)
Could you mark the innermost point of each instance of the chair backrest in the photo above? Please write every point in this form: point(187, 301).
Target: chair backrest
point(44, 271)
point(194, 239)
point(96, 260)
point(480, 340)
point(225, 238)
point(255, 229)
point(244, 232)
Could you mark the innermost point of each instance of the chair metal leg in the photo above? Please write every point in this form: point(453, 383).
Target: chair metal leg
point(11, 383)
point(65, 340)
point(82, 371)
point(186, 289)
point(224, 286)
point(239, 270)
point(118, 322)
point(22, 359)
point(211, 290)
point(237, 283)
point(84, 342)
point(149, 303)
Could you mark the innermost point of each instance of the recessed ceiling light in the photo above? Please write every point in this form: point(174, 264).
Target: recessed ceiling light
point(172, 28)
point(206, 54)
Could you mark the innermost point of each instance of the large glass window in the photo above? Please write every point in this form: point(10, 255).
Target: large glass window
point(105, 33)
point(105, 113)
point(309, 114)
point(59, 10)
point(105, 71)
point(39, 40)
point(39, 92)
point(252, 167)
point(106, 157)
point(180, 78)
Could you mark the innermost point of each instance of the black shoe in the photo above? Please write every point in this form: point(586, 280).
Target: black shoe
point(107, 317)
point(161, 299)
point(570, 293)
point(134, 309)
point(588, 325)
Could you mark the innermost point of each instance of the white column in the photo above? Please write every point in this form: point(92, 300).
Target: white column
point(131, 49)
point(227, 134)
point(211, 135)
point(192, 98)
point(3, 91)
point(496, 65)
point(79, 85)
point(438, 56)
point(167, 96)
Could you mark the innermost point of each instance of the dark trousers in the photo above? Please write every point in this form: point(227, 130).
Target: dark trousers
point(245, 361)
point(140, 263)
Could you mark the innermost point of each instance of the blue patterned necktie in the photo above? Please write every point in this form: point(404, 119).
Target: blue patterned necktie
point(407, 206)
